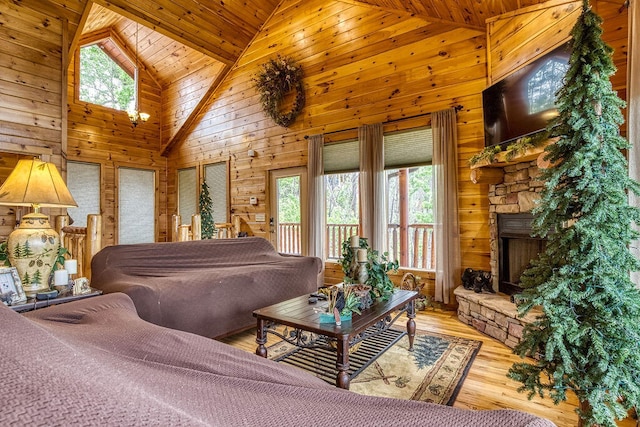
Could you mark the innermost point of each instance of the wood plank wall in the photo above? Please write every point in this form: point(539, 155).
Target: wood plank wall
point(32, 88)
point(106, 136)
point(362, 65)
point(518, 38)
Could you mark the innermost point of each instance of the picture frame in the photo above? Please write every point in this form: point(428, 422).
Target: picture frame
point(11, 291)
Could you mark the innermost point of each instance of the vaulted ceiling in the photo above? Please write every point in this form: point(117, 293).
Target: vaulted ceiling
point(176, 37)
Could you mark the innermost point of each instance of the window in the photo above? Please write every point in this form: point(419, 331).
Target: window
point(410, 195)
point(341, 164)
point(187, 194)
point(107, 76)
point(83, 181)
point(216, 177)
point(409, 190)
point(136, 205)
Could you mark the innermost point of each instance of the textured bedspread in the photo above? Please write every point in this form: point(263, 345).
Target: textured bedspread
point(95, 362)
point(208, 287)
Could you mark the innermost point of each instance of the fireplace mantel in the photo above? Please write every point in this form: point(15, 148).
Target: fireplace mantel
point(486, 172)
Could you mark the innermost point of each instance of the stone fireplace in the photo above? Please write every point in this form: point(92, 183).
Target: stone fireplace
point(512, 248)
point(510, 205)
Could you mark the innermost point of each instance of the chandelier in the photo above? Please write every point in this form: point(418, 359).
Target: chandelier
point(135, 115)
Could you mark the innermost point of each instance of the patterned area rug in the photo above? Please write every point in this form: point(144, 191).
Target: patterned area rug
point(433, 372)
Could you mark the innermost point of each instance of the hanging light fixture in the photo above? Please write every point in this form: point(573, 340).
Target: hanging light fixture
point(134, 114)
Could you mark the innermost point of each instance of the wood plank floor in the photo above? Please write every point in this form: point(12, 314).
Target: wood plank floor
point(486, 385)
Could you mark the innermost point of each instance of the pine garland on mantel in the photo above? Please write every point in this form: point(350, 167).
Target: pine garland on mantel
point(511, 151)
point(277, 78)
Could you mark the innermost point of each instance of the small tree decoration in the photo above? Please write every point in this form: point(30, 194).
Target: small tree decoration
point(277, 78)
point(588, 338)
point(208, 227)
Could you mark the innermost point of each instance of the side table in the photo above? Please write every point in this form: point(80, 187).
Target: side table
point(34, 304)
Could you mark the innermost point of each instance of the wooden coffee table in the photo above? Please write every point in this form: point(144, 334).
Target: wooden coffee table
point(299, 314)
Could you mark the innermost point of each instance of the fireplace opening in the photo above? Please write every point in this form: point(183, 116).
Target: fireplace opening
point(516, 249)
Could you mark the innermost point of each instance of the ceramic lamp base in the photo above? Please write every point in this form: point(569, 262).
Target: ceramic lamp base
point(32, 249)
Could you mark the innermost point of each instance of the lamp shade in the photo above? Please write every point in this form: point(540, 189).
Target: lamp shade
point(34, 182)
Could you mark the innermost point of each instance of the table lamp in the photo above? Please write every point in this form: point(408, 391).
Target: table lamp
point(33, 247)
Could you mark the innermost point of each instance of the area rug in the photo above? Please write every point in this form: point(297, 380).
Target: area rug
point(433, 372)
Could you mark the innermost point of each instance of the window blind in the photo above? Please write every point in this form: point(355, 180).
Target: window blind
point(83, 181)
point(187, 194)
point(136, 206)
point(408, 148)
point(215, 175)
point(341, 157)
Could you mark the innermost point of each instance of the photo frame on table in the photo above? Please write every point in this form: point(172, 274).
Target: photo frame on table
point(11, 291)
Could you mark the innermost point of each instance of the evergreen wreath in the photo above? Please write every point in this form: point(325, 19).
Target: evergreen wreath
point(278, 77)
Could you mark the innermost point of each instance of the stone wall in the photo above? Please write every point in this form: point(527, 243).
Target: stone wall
point(492, 314)
point(516, 194)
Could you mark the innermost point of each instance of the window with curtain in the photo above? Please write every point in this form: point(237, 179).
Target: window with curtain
point(410, 196)
point(187, 194)
point(341, 164)
point(136, 205)
point(83, 181)
point(409, 190)
point(217, 178)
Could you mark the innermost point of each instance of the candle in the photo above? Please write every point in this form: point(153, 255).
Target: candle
point(60, 277)
point(362, 255)
point(71, 265)
point(355, 241)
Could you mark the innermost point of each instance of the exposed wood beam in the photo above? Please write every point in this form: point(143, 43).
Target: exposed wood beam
point(417, 15)
point(76, 37)
point(129, 10)
point(193, 116)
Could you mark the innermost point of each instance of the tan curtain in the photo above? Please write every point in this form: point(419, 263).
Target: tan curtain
point(633, 102)
point(316, 212)
point(446, 229)
point(372, 196)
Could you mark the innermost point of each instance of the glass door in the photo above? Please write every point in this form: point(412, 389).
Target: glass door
point(287, 227)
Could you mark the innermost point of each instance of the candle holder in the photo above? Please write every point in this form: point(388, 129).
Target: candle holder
point(362, 272)
point(353, 268)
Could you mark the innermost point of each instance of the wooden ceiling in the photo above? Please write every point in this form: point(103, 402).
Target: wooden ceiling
point(176, 37)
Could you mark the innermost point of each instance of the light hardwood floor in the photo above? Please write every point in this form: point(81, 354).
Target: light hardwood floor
point(486, 385)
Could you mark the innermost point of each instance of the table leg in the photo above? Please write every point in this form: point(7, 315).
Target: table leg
point(261, 339)
point(342, 363)
point(411, 324)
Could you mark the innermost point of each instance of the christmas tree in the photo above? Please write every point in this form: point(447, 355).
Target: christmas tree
point(588, 338)
point(208, 227)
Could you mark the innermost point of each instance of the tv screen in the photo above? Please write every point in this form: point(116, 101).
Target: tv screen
point(523, 102)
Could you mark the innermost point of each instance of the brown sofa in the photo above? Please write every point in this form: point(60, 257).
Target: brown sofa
point(94, 362)
point(208, 287)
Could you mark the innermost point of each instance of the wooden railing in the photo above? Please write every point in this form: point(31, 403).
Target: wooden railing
point(335, 235)
point(289, 236)
point(421, 251)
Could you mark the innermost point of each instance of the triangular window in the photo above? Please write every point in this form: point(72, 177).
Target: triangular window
point(107, 76)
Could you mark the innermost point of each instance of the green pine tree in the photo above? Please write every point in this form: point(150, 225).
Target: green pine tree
point(208, 227)
point(17, 251)
point(37, 277)
point(588, 338)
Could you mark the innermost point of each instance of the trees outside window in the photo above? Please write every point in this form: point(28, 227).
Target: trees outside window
point(103, 81)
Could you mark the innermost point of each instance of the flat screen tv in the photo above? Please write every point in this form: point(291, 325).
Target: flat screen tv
point(523, 102)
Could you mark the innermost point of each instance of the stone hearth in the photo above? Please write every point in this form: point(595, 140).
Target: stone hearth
point(492, 314)
point(495, 314)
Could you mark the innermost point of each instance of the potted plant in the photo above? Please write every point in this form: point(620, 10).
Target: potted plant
point(377, 266)
point(343, 301)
